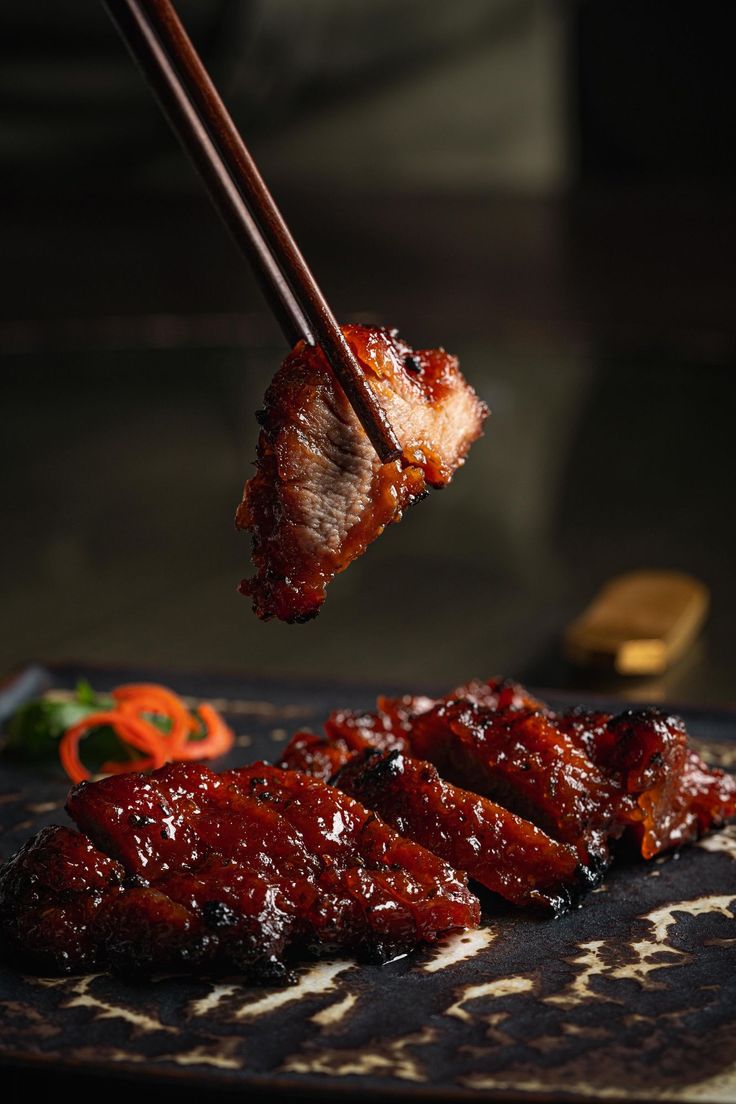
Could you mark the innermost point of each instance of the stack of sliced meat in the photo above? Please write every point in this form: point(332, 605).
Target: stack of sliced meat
point(187, 869)
point(360, 840)
point(526, 801)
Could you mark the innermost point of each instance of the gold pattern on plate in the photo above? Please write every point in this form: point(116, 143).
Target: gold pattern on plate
point(458, 948)
point(78, 994)
point(44, 807)
point(386, 1058)
point(334, 1014)
point(495, 990)
point(635, 961)
point(724, 841)
point(234, 998)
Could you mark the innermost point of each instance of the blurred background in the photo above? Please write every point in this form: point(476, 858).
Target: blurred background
point(544, 187)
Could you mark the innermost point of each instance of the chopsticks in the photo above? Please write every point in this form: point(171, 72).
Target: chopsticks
point(161, 47)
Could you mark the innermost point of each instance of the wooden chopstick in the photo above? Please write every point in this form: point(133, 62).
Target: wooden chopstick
point(161, 47)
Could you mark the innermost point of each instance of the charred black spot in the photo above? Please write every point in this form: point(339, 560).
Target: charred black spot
point(135, 881)
point(413, 364)
point(216, 914)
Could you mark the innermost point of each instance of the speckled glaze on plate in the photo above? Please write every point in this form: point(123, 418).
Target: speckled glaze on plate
point(631, 997)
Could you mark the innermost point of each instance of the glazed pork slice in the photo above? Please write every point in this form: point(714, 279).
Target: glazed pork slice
point(320, 494)
point(668, 795)
point(339, 875)
point(501, 851)
point(407, 893)
point(591, 772)
point(315, 755)
point(519, 760)
point(390, 726)
point(65, 907)
point(53, 894)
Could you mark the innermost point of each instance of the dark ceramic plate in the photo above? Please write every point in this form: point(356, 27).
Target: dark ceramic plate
point(633, 996)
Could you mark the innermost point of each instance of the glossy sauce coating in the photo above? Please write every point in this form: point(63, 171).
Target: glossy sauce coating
point(187, 869)
point(320, 494)
point(583, 777)
point(501, 851)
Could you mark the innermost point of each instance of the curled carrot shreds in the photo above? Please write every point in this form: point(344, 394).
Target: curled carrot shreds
point(128, 729)
point(138, 698)
point(136, 704)
point(218, 737)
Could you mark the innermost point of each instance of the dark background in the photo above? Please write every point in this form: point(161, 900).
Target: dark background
point(545, 188)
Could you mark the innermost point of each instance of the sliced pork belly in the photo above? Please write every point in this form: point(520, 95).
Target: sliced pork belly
point(53, 895)
point(708, 794)
point(320, 494)
point(65, 907)
point(518, 759)
point(331, 872)
point(391, 725)
point(501, 851)
point(668, 795)
point(315, 755)
point(577, 774)
point(405, 892)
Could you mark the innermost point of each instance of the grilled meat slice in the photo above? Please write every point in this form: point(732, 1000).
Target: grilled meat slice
point(708, 793)
point(53, 893)
point(518, 759)
point(668, 796)
point(320, 494)
point(580, 775)
point(497, 693)
point(326, 862)
point(405, 892)
point(315, 755)
point(67, 908)
point(501, 851)
point(391, 725)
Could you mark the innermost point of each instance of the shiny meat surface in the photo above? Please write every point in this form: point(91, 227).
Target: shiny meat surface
point(668, 795)
point(501, 851)
point(401, 892)
point(54, 894)
point(521, 760)
point(315, 755)
point(187, 869)
point(320, 494)
point(67, 908)
point(582, 777)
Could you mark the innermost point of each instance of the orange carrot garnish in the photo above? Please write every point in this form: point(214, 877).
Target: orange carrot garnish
point(138, 698)
point(129, 730)
point(218, 738)
point(137, 706)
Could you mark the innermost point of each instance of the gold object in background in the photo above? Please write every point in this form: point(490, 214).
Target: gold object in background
point(639, 623)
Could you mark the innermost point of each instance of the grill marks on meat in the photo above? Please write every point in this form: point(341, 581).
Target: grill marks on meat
point(68, 908)
point(185, 868)
point(320, 494)
point(580, 778)
point(54, 894)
